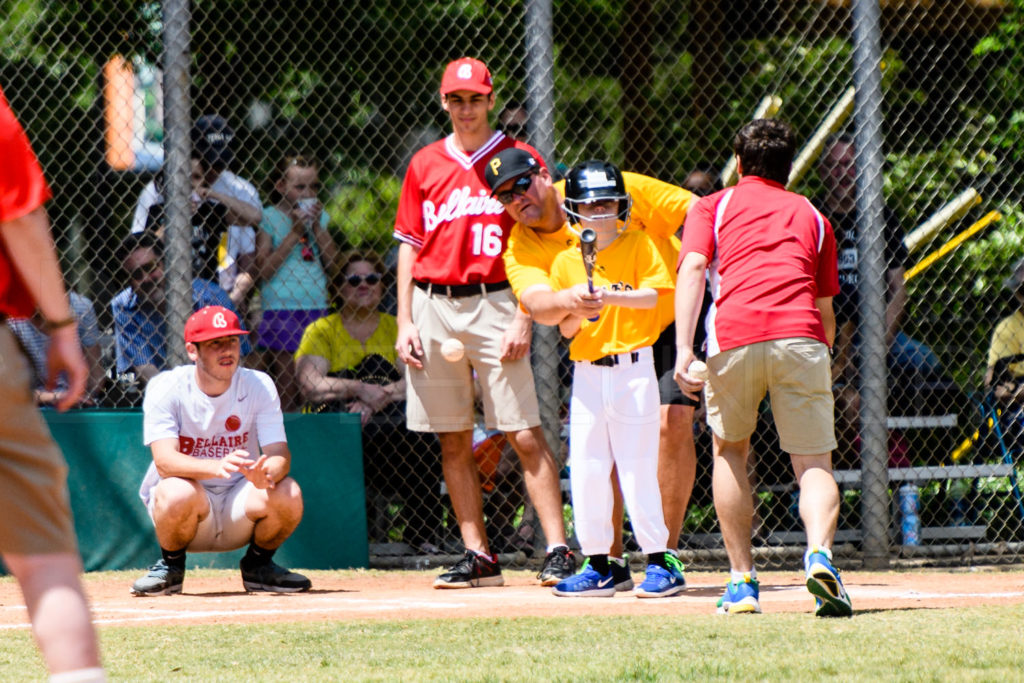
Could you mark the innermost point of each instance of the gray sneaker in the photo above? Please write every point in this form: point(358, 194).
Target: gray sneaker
point(160, 580)
point(273, 578)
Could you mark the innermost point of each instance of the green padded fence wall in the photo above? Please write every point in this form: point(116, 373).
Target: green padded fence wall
point(107, 460)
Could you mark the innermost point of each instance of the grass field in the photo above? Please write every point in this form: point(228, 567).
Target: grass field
point(963, 644)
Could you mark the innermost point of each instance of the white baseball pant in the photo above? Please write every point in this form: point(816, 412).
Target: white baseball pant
point(614, 418)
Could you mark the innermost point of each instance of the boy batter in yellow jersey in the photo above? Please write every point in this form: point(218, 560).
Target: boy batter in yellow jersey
point(536, 202)
point(614, 409)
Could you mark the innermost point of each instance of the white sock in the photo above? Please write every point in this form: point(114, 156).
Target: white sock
point(824, 550)
point(551, 548)
point(617, 560)
point(737, 576)
point(93, 675)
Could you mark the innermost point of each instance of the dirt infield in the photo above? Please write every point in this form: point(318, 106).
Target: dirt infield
point(218, 598)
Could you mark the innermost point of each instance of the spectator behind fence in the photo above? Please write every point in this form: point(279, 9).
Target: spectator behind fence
point(31, 332)
point(211, 139)
point(1004, 375)
point(347, 362)
point(208, 219)
point(773, 271)
point(839, 174)
point(219, 479)
point(139, 310)
point(512, 121)
point(702, 181)
point(293, 251)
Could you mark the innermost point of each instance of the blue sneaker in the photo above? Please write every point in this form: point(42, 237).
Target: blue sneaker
point(587, 584)
point(740, 598)
point(830, 597)
point(661, 582)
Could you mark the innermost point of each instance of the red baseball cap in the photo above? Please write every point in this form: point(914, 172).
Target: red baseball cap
point(466, 74)
point(212, 322)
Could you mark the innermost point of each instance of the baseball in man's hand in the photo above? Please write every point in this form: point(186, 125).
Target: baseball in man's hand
point(452, 350)
point(698, 370)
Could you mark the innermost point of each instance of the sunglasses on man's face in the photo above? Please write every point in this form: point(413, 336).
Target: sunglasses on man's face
point(520, 186)
point(356, 280)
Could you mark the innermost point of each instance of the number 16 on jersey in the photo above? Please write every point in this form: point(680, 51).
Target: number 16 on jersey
point(486, 239)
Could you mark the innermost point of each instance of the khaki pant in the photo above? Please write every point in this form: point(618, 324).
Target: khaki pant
point(35, 513)
point(441, 395)
point(797, 375)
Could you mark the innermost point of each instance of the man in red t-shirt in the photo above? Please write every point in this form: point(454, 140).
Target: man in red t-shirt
point(37, 537)
point(773, 273)
point(452, 285)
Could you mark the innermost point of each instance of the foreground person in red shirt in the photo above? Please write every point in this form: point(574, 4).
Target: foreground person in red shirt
point(771, 258)
point(37, 537)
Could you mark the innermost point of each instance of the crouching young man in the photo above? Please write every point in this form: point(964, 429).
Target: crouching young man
point(219, 477)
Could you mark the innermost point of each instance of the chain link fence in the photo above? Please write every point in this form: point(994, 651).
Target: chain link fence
point(329, 100)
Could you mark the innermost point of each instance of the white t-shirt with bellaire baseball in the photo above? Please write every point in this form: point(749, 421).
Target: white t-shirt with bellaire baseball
point(246, 416)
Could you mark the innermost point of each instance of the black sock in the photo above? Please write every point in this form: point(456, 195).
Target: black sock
point(600, 564)
point(657, 559)
point(174, 558)
point(256, 556)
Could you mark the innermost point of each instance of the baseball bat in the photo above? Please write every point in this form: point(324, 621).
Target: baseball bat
point(768, 107)
point(980, 224)
point(956, 208)
point(831, 123)
point(588, 249)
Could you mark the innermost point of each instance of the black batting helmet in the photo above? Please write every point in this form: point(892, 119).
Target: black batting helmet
point(595, 181)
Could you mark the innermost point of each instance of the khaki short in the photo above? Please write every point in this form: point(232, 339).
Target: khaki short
point(796, 374)
point(227, 527)
point(440, 396)
point(35, 512)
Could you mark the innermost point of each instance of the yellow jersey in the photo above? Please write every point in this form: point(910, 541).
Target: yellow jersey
point(659, 209)
point(630, 262)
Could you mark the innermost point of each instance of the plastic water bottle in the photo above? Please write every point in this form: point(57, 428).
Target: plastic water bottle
point(909, 501)
point(960, 502)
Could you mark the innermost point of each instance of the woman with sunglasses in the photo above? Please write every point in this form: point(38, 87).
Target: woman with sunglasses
point(347, 362)
point(293, 250)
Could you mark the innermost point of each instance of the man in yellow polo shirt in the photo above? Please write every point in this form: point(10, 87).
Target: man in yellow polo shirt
point(536, 202)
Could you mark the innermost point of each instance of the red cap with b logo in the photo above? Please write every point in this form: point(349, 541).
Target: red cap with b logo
point(212, 322)
point(466, 74)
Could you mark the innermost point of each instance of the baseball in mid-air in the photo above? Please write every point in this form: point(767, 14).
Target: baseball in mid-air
point(698, 370)
point(452, 350)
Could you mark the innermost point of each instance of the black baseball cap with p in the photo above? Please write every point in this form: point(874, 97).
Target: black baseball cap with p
point(211, 139)
point(509, 164)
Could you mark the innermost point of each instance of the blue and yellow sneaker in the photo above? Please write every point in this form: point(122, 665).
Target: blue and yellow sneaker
point(830, 596)
point(740, 597)
point(661, 582)
point(587, 584)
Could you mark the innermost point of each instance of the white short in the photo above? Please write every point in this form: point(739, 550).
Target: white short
point(226, 527)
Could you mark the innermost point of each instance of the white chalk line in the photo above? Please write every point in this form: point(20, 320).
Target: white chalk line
point(106, 615)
